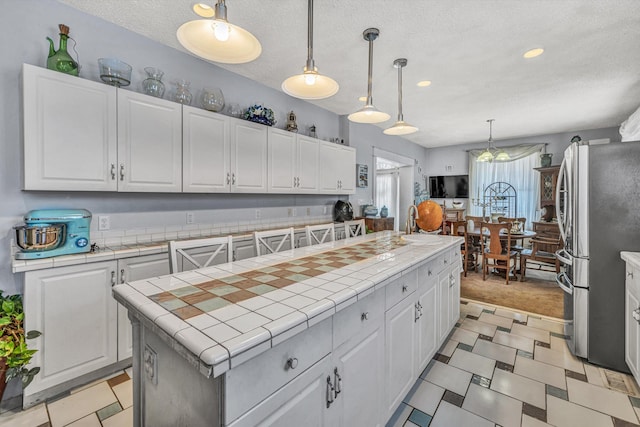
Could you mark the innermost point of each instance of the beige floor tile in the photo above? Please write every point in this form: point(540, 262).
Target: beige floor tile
point(514, 341)
point(93, 383)
point(528, 421)
point(601, 399)
point(493, 406)
point(473, 363)
point(520, 317)
point(464, 336)
point(529, 332)
point(561, 413)
point(519, 387)
point(559, 344)
point(35, 416)
point(541, 372)
point(593, 375)
point(449, 347)
point(547, 325)
point(124, 393)
point(492, 319)
point(129, 371)
point(426, 397)
point(472, 309)
point(90, 420)
point(81, 404)
point(121, 419)
point(449, 415)
point(449, 377)
point(559, 359)
point(479, 327)
point(495, 351)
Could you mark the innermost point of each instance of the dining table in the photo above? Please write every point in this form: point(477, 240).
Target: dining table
point(526, 234)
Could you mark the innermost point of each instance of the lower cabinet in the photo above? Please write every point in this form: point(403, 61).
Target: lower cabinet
point(427, 321)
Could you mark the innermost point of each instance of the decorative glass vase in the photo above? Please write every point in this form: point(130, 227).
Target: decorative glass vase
point(60, 60)
point(153, 85)
point(182, 94)
point(545, 159)
point(212, 99)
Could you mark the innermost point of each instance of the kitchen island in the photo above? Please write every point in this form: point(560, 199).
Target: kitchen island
point(332, 334)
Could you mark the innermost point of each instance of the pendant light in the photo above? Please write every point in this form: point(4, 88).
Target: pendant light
point(218, 40)
point(369, 113)
point(492, 153)
point(400, 127)
point(310, 84)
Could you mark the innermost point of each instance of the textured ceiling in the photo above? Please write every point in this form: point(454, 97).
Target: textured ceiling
point(588, 77)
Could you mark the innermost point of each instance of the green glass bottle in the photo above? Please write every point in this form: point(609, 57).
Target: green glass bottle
point(61, 60)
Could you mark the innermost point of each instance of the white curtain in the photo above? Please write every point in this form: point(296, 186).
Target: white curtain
point(518, 172)
point(387, 191)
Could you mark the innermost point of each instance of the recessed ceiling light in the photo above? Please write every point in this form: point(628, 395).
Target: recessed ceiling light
point(533, 53)
point(362, 98)
point(424, 83)
point(204, 10)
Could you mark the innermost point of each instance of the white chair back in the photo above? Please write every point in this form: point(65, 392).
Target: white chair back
point(320, 233)
point(354, 228)
point(272, 240)
point(178, 251)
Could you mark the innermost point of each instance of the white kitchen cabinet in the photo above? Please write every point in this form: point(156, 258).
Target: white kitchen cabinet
point(129, 270)
point(248, 156)
point(73, 308)
point(149, 143)
point(293, 163)
point(427, 322)
point(206, 151)
point(337, 168)
point(632, 319)
point(70, 132)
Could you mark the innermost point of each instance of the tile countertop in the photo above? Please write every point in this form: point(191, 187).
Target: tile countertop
point(631, 257)
point(275, 296)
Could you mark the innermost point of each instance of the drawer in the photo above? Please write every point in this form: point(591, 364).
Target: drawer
point(401, 288)
point(441, 261)
point(356, 318)
point(258, 378)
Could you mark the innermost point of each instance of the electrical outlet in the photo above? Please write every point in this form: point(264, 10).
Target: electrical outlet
point(151, 364)
point(190, 218)
point(257, 213)
point(308, 211)
point(104, 222)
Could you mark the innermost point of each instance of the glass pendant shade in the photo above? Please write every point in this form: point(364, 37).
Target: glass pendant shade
point(486, 156)
point(502, 156)
point(400, 127)
point(369, 113)
point(310, 84)
point(217, 40)
point(491, 153)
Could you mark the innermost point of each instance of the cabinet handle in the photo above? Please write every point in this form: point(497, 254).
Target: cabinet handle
point(233, 179)
point(446, 261)
point(429, 273)
point(420, 308)
point(113, 171)
point(330, 391)
point(338, 381)
point(122, 275)
point(364, 316)
point(122, 172)
point(234, 257)
point(292, 363)
point(417, 313)
point(404, 288)
point(113, 278)
point(630, 274)
point(228, 178)
point(298, 181)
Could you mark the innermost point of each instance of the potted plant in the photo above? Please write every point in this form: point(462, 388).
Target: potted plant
point(14, 354)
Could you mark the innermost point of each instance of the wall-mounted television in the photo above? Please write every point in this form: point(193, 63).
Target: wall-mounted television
point(456, 186)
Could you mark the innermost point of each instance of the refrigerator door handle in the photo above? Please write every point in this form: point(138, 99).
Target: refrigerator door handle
point(562, 256)
point(561, 280)
point(562, 177)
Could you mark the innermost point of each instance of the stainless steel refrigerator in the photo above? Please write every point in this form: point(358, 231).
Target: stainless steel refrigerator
point(598, 202)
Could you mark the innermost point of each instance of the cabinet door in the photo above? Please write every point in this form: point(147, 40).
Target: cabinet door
point(282, 161)
point(149, 143)
point(308, 149)
point(358, 367)
point(206, 154)
point(248, 157)
point(329, 166)
point(347, 170)
point(130, 269)
point(69, 132)
point(454, 296)
point(443, 305)
point(73, 308)
point(399, 353)
point(632, 333)
point(427, 325)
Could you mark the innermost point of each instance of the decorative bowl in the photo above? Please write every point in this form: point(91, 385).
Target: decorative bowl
point(457, 205)
point(260, 114)
point(114, 72)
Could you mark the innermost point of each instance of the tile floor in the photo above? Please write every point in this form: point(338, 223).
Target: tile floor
point(499, 368)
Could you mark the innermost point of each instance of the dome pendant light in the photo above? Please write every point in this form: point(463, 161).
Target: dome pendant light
point(369, 113)
point(217, 40)
point(400, 127)
point(310, 84)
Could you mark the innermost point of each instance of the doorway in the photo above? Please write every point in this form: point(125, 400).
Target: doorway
point(393, 185)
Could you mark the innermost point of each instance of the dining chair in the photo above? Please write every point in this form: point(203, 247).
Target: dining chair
point(320, 233)
point(498, 249)
point(476, 225)
point(189, 254)
point(543, 259)
point(354, 228)
point(467, 249)
point(522, 221)
point(273, 240)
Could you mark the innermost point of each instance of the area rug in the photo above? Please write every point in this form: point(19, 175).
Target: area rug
point(539, 294)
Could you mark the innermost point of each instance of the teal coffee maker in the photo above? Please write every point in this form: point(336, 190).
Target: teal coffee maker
point(52, 232)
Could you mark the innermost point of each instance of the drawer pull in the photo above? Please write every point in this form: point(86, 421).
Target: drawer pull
point(292, 363)
point(446, 261)
point(113, 171)
point(338, 381)
point(364, 316)
point(429, 272)
point(330, 391)
point(121, 171)
point(122, 275)
point(113, 278)
point(630, 274)
point(404, 288)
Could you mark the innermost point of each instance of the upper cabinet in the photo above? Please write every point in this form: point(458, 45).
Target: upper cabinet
point(70, 132)
point(81, 135)
point(293, 163)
